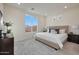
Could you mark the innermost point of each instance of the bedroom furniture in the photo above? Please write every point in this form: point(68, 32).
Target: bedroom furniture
point(0, 44)
point(50, 44)
point(73, 38)
point(7, 46)
point(54, 40)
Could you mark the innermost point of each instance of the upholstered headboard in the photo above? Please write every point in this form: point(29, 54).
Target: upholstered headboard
point(66, 27)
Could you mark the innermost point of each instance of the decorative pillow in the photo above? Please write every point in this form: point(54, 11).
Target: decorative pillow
point(48, 30)
point(53, 31)
point(57, 30)
point(62, 31)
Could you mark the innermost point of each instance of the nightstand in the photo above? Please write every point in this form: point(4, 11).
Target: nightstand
point(73, 38)
point(7, 46)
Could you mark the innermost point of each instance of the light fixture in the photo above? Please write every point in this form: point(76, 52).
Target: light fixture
point(32, 9)
point(18, 3)
point(65, 6)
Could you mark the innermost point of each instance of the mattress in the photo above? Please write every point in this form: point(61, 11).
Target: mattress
point(54, 40)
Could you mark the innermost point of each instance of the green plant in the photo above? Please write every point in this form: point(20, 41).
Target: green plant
point(7, 24)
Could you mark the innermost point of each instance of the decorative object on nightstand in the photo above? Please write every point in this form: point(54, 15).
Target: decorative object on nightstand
point(8, 24)
point(10, 35)
point(8, 29)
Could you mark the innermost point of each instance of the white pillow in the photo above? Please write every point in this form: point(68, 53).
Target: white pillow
point(48, 30)
point(53, 32)
point(62, 31)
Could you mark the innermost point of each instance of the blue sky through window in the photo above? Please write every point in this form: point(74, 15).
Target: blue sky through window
point(30, 20)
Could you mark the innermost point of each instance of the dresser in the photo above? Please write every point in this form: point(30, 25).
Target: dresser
point(73, 38)
point(7, 46)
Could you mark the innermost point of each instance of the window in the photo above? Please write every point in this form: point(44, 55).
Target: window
point(31, 23)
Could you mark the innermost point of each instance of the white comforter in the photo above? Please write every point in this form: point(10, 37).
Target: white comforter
point(56, 38)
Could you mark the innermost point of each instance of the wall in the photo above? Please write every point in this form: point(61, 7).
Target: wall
point(15, 16)
point(69, 17)
point(41, 22)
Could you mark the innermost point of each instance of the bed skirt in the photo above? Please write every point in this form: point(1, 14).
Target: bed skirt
point(48, 43)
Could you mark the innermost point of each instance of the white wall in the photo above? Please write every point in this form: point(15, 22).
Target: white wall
point(69, 17)
point(41, 22)
point(15, 16)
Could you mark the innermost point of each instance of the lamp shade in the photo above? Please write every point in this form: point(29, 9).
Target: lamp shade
point(74, 29)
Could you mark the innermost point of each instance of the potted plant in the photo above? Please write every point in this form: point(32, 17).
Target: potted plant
point(8, 33)
point(8, 24)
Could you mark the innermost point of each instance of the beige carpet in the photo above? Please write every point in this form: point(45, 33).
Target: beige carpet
point(71, 48)
point(33, 47)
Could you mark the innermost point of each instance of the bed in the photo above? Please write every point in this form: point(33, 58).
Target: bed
point(54, 40)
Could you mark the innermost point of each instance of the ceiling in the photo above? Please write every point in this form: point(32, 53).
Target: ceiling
point(45, 8)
